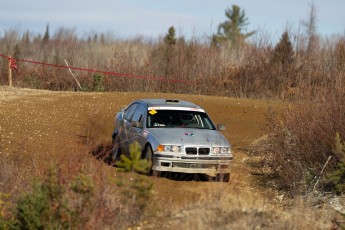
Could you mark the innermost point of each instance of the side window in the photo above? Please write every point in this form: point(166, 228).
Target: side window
point(139, 112)
point(130, 111)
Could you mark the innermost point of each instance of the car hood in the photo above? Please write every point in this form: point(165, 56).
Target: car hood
point(188, 136)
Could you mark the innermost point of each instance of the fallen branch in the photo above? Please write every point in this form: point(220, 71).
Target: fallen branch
point(73, 75)
point(318, 179)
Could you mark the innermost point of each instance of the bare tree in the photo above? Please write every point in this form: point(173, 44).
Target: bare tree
point(311, 32)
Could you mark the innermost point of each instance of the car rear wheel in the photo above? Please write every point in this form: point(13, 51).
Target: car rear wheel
point(115, 154)
point(223, 177)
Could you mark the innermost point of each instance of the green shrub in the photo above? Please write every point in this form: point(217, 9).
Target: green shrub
point(44, 207)
point(98, 85)
point(3, 200)
point(139, 190)
point(339, 149)
point(133, 194)
point(4, 223)
point(32, 81)
point(84, 187)
point(134, 163)
point(336, 179)
point(49, 206)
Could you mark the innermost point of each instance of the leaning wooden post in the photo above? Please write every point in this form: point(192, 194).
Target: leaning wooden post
point(9, 71)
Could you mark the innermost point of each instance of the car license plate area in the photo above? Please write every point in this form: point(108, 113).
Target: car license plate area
point(194, 165)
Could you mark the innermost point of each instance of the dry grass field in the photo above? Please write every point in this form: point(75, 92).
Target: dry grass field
point(44, 129)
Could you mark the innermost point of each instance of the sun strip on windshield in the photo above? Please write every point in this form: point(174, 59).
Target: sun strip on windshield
point(175, 108)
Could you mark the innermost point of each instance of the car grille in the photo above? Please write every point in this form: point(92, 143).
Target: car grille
point(199, 151)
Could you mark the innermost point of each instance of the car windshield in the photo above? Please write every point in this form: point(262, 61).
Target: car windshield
point(178, 119)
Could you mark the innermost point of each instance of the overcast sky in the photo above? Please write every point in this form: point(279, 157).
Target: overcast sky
point(152, 18)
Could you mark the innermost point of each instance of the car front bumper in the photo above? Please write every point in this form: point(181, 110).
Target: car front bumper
point(210, 165)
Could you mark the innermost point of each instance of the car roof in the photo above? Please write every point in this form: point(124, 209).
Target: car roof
point(169, 103)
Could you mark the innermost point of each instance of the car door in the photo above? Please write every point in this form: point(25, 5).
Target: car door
point(138, 124)
point(127, 119)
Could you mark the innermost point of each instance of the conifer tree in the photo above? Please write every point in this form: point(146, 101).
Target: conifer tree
point(339, 53)
point(46, 34)
point(170, 38)
point(281, 60)
point(230, 31)
point(169, 51)
point(283, 51)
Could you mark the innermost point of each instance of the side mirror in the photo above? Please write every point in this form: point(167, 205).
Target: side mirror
point(220, 127)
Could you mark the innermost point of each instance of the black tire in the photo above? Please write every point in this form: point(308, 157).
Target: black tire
point(223, 177)
point(115, 154)
point(155, 173)
point(148, 155)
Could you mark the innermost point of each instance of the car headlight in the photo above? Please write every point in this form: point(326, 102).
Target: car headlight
point(169, 148)
point(221, 150)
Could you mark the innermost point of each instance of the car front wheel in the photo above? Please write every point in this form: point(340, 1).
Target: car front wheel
point(148, 155)
point(223, 177)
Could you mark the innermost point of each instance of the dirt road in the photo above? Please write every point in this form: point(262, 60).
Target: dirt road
point(43, 122)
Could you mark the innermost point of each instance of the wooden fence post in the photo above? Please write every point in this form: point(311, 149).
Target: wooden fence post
point(9, 71)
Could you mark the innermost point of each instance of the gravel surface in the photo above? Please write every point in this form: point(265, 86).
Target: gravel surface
point(8, 93)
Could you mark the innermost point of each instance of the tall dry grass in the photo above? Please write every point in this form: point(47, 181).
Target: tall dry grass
point(303, 137)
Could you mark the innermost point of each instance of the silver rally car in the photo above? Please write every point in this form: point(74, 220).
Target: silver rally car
point(175, 135)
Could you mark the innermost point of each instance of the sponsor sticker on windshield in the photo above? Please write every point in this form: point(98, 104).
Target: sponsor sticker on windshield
point(152, 112)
